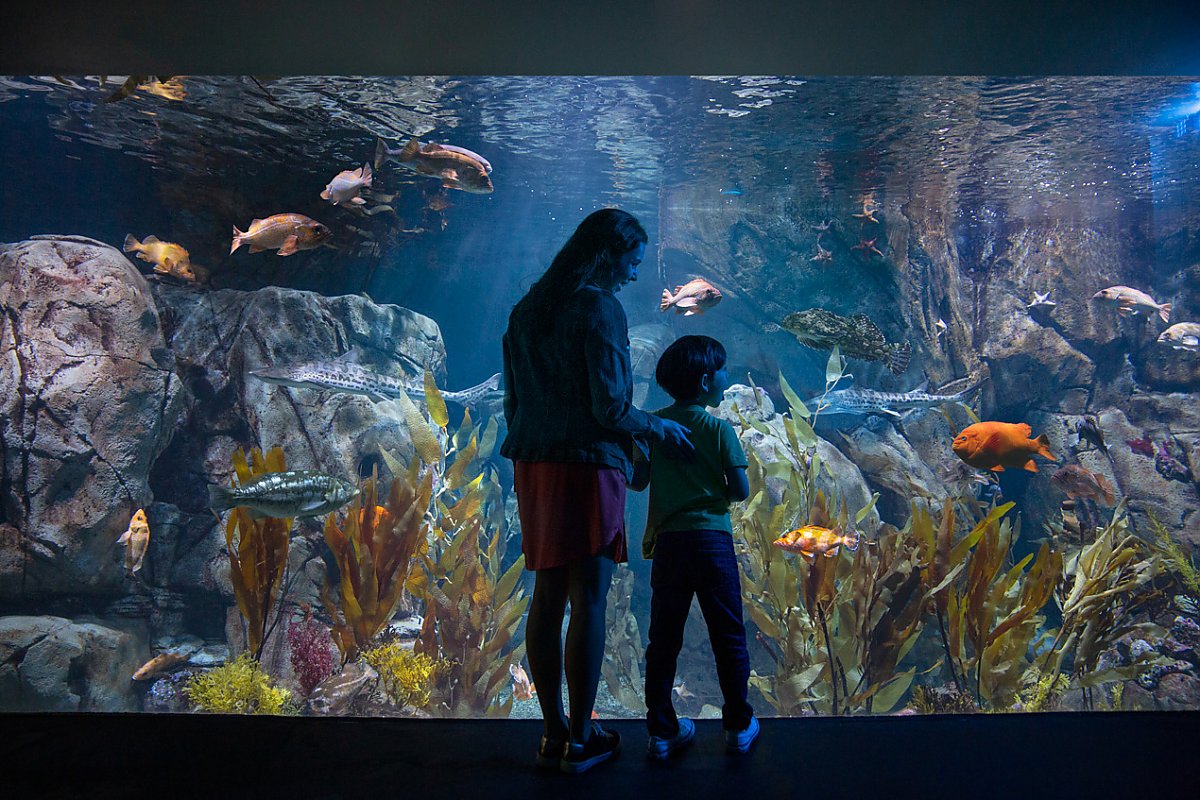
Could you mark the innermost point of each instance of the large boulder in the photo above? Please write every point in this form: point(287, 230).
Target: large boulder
point(56, 664)
point(88, 400)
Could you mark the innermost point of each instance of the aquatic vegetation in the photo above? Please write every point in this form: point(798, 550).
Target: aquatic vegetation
point(238, 687)
point(407, 677)
point(473, 607)
point(1044, 691)
point(310, 650)
point(995, 609)
point(259, 559)
point(942, 700)
point(623, 650)
point(374, 547)
point(1102, 586)
point(835, 628)
point(1177, 562)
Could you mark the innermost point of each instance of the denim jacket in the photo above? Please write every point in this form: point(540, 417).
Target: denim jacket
point(569, 395)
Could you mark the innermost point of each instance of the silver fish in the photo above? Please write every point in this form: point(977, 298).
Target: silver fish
point(867, 401)
point(351, 378)
point(295, 493)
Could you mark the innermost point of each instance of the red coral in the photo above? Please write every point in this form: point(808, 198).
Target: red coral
point(311, 650)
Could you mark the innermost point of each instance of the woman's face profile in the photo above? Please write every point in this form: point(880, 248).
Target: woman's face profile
point(624, 267)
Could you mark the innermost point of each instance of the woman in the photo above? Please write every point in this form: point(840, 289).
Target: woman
point(568, 392)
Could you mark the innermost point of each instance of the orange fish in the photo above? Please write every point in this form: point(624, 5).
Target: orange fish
point(1079, 482)
point(691, 298)
point(996, 445)
point(522, 687)
point(136, 539)
point(288, 232)
point(160, 663)
point(168, 258)
point(813, 540)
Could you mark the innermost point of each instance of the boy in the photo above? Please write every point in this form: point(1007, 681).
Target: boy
point(689, 536)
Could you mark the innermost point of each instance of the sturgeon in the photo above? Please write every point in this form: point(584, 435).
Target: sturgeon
point(350, 378)
point(868, 401)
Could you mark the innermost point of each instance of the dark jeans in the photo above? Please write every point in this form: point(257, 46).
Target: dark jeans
point(699, 563)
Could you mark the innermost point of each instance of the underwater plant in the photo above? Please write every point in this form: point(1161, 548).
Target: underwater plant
point(374, 548)
point(1102, 586)
point(310, 650)
point(407, 677)
point(258, 560)
point(1177, 562)
point(473, 607)
point(238, 687)
point(623, 650)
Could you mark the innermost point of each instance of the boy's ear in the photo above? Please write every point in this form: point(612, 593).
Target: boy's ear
point(705, 382)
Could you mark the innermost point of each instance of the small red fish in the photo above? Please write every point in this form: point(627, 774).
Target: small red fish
point(996, 445)
point(693, 297)
point(1079, 482)
point(1143, 447)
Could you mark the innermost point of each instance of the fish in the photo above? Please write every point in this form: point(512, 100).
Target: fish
point(458, 167)
point(856, 336)
point(1182, 336)
point(295, 493)
point(136, 539)
point(1170, 467)
point(682, 691)
point(867, 401)
point(333, 696)
point(160, 663)
point(693, 297)
point(523, 689)
point(345, 376)
point(812, 540)
point(822, 254)
point(732, 192)
point(168, 258)
point(1131, 301)
point(1088, 430)
point(346, 185)
point(997, 445)
point(1078, 482)
point(1041, 302)
point(288, 232)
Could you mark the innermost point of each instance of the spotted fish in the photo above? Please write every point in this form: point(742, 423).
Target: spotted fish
point(856, 336)
point(867, 401)
point(351, 378)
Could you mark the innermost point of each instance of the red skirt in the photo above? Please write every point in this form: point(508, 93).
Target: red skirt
point(570, 511)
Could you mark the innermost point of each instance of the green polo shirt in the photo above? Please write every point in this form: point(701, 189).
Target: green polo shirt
point(692, 495)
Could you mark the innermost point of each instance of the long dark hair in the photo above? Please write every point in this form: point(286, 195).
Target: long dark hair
point(600, 239)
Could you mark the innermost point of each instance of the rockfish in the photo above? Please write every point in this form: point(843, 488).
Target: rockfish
point(168, 258)
point(813, 540)
point(136, 539)
point(866, 401)
point(693, 297)
point(996, 445)
point(1131, 301)
point(458, 167)
point(288, 232)
point(160, 663)
point(1079, 482)
point(1182, 336)
point(295, 493)
point(856, 336)
point(346, 185)
point(350, 378)
point(334, 695)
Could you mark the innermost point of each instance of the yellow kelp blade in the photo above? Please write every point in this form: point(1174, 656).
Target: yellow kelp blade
point(435, 402)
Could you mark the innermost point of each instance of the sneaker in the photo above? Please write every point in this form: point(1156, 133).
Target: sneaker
point(660, 748)
point(740, 741)
point(600, 746)
point(550, 753)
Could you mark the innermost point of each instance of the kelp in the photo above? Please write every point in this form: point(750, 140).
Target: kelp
point(1102, 585)
point(1175, 561)
point(995, 608)
point(835, 628)
point(623, 651)
point(473, 608)
point(374, 547)
point(258, 559)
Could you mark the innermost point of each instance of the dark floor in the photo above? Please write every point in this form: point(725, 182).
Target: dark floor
point(1145, 755)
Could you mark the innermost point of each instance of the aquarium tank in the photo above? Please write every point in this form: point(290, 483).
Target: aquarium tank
point(251, 402)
